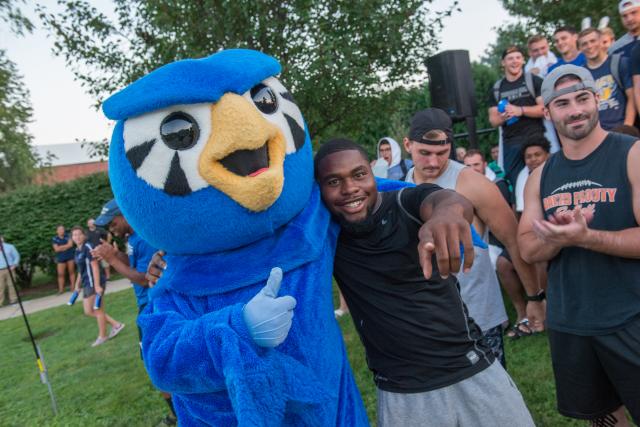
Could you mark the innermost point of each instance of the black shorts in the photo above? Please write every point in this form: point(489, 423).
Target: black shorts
point(595, 375)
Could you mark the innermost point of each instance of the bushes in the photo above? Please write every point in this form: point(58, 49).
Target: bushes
point(31, 214)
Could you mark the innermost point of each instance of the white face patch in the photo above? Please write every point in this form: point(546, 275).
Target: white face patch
point(164, 146)
point(153, 159)
point(287, 117)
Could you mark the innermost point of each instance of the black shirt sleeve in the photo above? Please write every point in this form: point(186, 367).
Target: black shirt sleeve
point(413, 197)
point(634, 59)
point(537, 85)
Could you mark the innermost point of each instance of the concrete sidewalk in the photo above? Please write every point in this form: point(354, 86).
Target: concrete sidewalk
point(38, 304)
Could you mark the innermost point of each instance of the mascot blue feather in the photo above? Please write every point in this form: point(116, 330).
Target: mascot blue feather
point(211, 161)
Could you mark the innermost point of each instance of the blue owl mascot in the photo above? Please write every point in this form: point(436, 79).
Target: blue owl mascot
point(211, 161)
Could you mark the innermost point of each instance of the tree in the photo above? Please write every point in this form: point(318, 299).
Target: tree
point(543, 16)
point(11, 14)
point(17, 160)
point(338, 57)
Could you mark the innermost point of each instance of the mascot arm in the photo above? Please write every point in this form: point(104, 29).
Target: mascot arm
point(184, 355)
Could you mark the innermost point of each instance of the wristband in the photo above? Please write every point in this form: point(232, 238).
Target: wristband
point(522, 111)
point(540, 296)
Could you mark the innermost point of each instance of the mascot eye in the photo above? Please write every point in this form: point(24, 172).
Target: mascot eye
point(264, 98)
point(179, 131)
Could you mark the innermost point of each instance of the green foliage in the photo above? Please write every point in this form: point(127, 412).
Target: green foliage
point(543, 16)
point(17, 161)
point(30, 216)
point(11, 14)
point(510, 35)
point(336, 56)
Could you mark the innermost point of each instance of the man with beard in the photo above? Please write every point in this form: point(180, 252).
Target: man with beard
point(428, 362)
point(582, 210)
point(429, 144)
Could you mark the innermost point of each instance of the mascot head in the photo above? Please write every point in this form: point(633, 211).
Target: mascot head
point(209, 154)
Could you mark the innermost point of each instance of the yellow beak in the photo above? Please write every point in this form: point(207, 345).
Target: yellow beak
point(238, 127)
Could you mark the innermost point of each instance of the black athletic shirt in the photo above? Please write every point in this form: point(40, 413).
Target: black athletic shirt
point(516, 93)
point(590, 293)
point(416, 332)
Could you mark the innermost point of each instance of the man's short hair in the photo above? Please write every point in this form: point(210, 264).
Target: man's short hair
point(536, 141)
point(333, 146)
point(78, 227)
point(607, 31)
point(535, 39)
point(474, 152)
point(568, 28)
point(511, 49)
point(588, 31)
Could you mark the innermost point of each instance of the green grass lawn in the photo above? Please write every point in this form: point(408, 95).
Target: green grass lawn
point(107, 385)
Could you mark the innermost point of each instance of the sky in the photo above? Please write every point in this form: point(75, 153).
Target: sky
point(63, 112)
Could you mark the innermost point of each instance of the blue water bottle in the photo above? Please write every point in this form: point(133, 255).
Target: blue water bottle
point(74, 297)
point(502, 106)
point(98, 303)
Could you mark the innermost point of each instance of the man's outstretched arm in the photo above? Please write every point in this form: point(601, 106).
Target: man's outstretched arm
point(447, 217)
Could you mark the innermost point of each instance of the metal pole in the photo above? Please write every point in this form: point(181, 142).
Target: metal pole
point(44, 377)
point(471, 128)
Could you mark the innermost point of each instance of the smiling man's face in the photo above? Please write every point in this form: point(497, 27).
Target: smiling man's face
point(347, 185)
point(574, 114)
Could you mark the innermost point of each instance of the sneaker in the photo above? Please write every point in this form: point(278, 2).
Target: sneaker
point(339, 313)
point(99, 341)
point(116, 330)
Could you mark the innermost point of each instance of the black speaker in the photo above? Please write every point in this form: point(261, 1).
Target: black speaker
point(451, 83)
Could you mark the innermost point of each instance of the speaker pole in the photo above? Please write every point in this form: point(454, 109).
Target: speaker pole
point(471, 128)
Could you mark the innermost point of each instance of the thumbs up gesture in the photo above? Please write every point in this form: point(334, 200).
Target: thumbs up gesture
point(268, 317)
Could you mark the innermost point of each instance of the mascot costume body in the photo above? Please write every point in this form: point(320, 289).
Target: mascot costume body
point(211, 161)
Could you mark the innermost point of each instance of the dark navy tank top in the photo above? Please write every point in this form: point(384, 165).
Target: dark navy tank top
point(591, 293)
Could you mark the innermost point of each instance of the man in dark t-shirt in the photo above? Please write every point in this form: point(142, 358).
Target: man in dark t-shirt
point(581, 214)
point(522, 115)
point(428, 361)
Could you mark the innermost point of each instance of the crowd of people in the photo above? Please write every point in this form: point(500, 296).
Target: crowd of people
point(555, 214)
point(560, 207)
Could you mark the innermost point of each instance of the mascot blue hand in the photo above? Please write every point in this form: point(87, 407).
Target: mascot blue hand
point(268, 317)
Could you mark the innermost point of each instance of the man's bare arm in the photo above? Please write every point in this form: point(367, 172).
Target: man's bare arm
point(623, 243)
point(630, 111)
point(119, 261)
point(532, 248)
point(495, 118)
point(495, 213)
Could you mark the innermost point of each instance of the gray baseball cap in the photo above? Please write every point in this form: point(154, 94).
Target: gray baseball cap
point(549, 92)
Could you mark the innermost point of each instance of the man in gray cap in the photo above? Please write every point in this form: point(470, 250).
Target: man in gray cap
point(581, 214)
point(429, 144)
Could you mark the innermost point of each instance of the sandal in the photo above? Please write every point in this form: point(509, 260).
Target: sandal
point(520, 329)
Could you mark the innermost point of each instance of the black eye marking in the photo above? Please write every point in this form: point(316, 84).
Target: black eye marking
point(176, 183)
point(179, 131)
point(264, 98)
point(137, 154)
point(287, 96)
point(297, 132)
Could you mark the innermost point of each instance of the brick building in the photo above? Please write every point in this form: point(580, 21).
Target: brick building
point(68, 162)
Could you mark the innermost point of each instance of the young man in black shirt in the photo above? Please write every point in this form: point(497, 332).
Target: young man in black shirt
point(522, 114)
point(581, 214)
point(426, 354)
